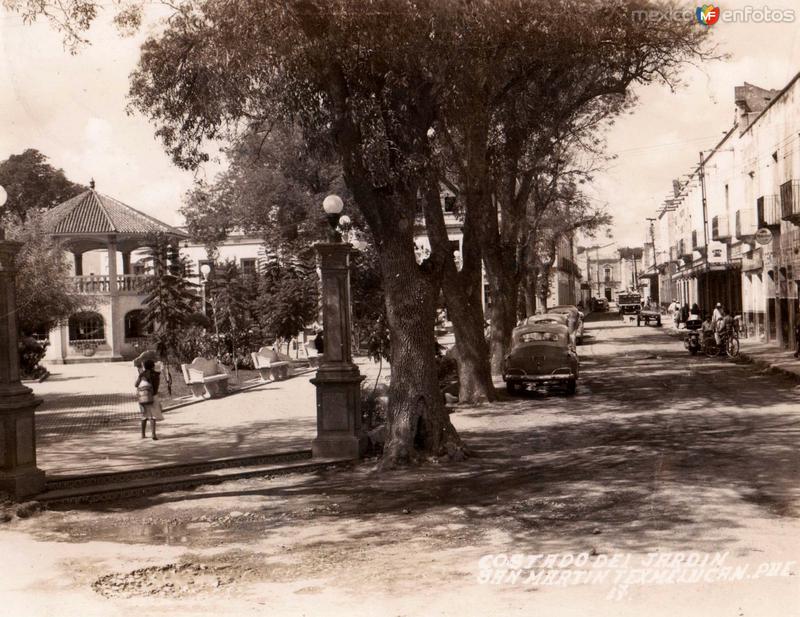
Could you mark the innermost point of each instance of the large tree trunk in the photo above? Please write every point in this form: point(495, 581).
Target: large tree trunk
point(462, 292)
point(418, 423)
point(543, 285)
point(530, 293)
point(503, 289)
point(417, 420)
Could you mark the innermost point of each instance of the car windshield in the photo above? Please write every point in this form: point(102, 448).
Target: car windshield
point(532, 337)
point(629, 299)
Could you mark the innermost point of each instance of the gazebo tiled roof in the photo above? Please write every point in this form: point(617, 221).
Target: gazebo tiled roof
point(93, 213)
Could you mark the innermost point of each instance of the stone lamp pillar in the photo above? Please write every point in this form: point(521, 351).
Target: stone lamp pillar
point(19, 475)
point(338, 380)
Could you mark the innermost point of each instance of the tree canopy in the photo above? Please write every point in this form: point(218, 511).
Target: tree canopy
point(393, 85)
point(33, 184)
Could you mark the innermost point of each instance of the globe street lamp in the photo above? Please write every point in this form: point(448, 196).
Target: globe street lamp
point(333, 206)
point(337, 380)
point(205, 270)
point(19, 475)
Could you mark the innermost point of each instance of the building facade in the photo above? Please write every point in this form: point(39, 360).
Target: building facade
point(610, 270)
point(731, 231)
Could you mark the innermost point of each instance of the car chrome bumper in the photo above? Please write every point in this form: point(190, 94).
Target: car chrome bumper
point(520, 375)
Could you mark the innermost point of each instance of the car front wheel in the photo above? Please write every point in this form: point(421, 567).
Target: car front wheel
point(512, 387)
point(572, 386)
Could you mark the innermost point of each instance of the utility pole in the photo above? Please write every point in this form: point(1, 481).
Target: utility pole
point(596, 271)
point(702, 176)
point(653, 239)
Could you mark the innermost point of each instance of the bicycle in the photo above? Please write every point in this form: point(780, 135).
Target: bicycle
point(729, 344)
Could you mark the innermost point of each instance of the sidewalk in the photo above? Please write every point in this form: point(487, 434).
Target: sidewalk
point(768, 356)
point(761, 354)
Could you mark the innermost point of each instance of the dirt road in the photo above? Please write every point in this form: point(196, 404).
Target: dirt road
point(658, 452)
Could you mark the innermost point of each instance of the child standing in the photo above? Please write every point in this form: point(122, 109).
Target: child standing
point(147, 389)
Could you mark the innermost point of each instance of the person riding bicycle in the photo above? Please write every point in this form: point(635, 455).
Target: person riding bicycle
point(724, 326)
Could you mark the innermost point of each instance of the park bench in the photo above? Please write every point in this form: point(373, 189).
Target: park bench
point(206, 378)
point(312, 354)
point(270, 365)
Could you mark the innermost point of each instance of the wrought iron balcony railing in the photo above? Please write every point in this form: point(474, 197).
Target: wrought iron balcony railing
point(790, 201)
point(720, 230)
point(768, 211)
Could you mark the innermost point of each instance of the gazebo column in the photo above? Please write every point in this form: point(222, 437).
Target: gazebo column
point(78, 257)
point(126, 262)
point(116, 333)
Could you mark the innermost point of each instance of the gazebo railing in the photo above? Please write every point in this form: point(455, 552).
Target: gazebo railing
point(135, 283)
point(101, 284)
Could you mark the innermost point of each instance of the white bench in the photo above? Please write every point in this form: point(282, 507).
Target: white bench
point(270, 365)
point(206, 378)
point(312, 354)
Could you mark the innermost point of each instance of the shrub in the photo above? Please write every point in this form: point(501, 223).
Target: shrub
point(31, 353)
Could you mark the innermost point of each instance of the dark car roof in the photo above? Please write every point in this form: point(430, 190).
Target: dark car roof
point(563, 307)
point(543, 317)
point(540, 327)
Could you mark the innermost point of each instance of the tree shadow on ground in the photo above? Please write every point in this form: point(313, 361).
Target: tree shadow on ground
point(653, 460)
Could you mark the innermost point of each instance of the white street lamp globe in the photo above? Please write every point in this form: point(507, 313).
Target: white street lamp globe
point(332, 204)
point(3, 197)
point(344, 221)
point(205, 270)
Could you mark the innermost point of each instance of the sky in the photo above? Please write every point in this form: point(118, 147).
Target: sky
point(73, 109)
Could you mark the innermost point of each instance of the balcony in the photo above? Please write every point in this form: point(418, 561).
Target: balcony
point(745, 225)
point(720, 230)
point(790, 201)
point(565, 264)
point(768, 211)
point(132, 284)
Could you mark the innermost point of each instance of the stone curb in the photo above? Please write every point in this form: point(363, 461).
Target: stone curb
point(770, 366)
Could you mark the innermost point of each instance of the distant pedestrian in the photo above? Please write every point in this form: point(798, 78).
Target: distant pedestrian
point(718, 314)
point(147, 392)
point(674, 311)
point(696, 310)
point(685, 313)
point(319, 342)
point(797, 340)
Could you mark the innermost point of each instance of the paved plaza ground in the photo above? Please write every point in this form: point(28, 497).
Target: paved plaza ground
point(657, 452)
point(89, 422)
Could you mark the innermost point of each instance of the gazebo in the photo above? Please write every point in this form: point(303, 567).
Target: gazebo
point(102, 234)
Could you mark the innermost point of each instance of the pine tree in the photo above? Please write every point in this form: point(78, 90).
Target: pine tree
point(171, 300)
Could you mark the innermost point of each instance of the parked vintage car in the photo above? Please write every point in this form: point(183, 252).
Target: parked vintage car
point(601, 305)
point(629, 304)
point(647, 314)
point(574, 320)
point(541, 354)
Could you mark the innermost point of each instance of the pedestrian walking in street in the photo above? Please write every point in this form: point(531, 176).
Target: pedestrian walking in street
point(685, 313)
point(674, 311)
point(719, 313)
point(147, 393)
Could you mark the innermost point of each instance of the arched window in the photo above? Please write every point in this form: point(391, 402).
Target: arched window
point(87, 326)
point(135, 326)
